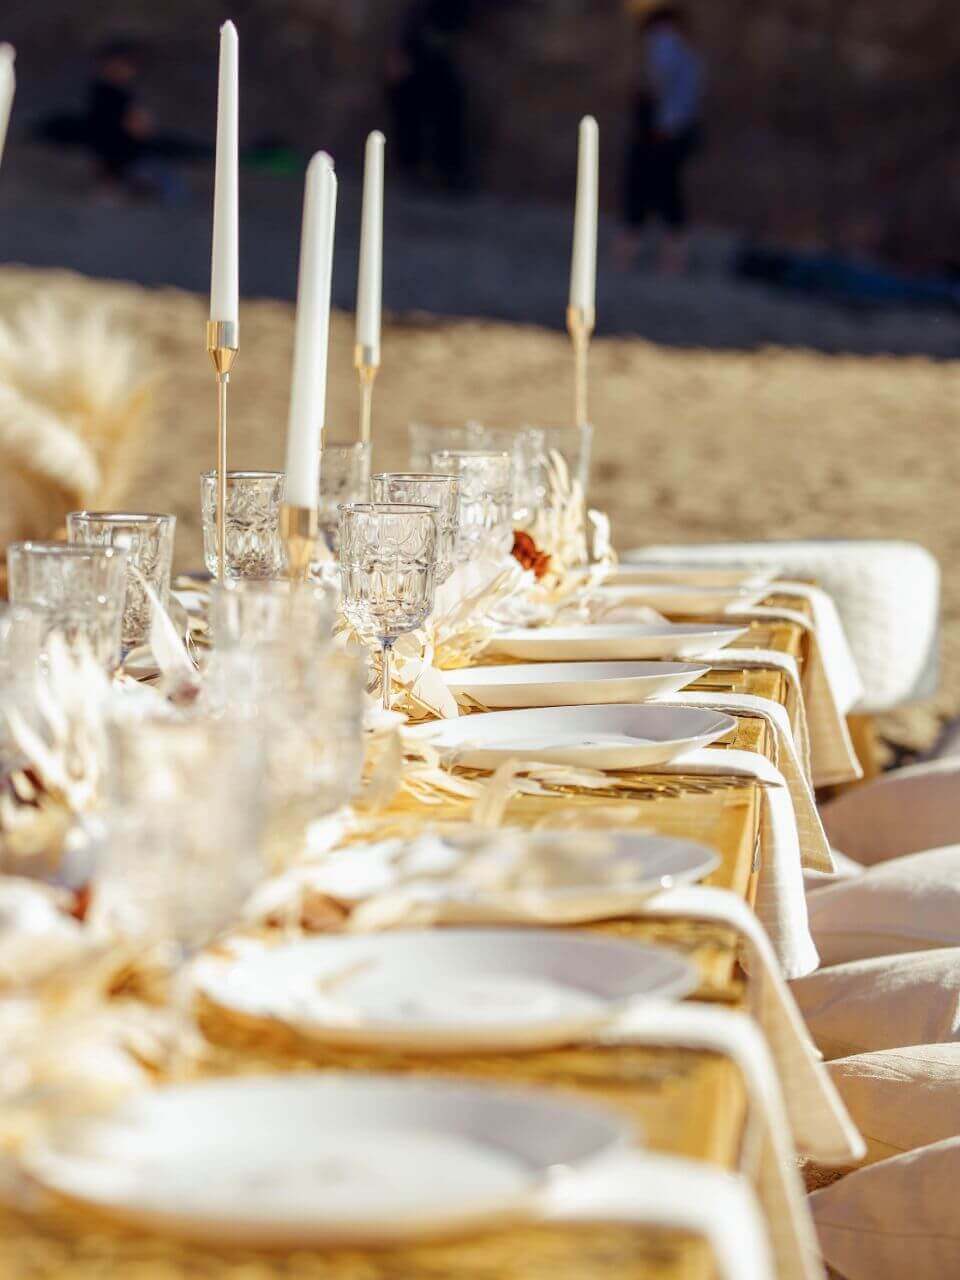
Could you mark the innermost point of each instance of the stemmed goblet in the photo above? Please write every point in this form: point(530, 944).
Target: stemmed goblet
point(388, 567)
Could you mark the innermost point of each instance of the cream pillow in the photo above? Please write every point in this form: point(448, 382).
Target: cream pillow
point(883, 1003)
point(907, 904)
point(896, 1220)
point(901, 1098)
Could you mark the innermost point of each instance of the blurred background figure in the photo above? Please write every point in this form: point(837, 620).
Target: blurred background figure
point(118, 126)
point(427, 93)
point(666, 133)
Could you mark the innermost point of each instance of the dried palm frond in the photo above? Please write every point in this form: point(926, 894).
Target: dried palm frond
point(73, 407)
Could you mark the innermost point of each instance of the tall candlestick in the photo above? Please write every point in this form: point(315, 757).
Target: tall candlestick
point(366, 354)
point(224, 270)
point(583, 271)
point(7, 86)
point(223, 328)
point(308, 391)
point(582, 310)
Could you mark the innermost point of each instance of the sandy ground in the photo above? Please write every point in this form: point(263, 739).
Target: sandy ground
point(691, 444)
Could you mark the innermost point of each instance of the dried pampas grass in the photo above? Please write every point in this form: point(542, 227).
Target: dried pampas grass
point(73, 414)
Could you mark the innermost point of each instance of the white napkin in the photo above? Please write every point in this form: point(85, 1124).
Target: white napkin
point(821, 1126)
point(769, 1155)
point(786, 664)
point(664, 1191)
point(815, 852)
point(831, 682)
point(781, 902)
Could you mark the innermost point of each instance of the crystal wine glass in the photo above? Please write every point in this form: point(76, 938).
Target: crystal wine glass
point(388, 566)
point(428, 490)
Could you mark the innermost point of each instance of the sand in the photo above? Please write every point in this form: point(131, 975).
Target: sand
point(691, 445)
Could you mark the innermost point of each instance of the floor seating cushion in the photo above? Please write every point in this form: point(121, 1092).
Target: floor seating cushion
point(906, 904)
point(882, 1003)
point(901, 1098)
point(895, 1220)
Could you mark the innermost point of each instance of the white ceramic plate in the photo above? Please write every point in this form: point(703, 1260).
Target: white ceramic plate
point(634, 568)
point(615, 642)
point(572, 876)
point(566, 684)
point(445, 990)
point(298, 1160)
point(678, 597)
point(620, 736)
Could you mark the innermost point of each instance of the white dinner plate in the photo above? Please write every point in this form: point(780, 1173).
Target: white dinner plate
point(566, 684)
point(616, 642)
point(300, 1160)
point(677, 597)
point(619, 736)
point(634, 568)
point(446, 990)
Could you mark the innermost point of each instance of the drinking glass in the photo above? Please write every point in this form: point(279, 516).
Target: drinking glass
point(183, 805)
point(148, 542)
point(254, 547)
point(78, 590)
point(262, 614)
point(180, 842)
point(486, 499)
point(344, 478)
point(428, 490)
point(273, 664)
point(388, 564)
point(574, 445)
point(525, 445)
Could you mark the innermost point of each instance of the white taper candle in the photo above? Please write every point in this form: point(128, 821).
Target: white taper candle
point(370, 275)
point(583, 271)
point(225, 269)
point(8, 83)
point(308, 391)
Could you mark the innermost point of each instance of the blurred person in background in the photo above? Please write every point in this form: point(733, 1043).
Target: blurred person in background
point(666, 133)
point(119, 128)
point(427, 92)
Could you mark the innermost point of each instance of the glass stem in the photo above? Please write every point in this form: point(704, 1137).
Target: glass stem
point(387, 648)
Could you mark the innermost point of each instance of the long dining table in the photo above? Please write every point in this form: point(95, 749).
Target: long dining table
point(684, 1102)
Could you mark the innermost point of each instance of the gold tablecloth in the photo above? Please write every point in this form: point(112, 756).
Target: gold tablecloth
point(683, 1102)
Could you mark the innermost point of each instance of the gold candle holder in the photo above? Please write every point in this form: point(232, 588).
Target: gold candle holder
point(223, 340)
point(366, 361)
point(299, 530)
point(580, 325)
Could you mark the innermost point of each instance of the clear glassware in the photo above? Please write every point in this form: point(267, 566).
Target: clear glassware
point(525, 444)
point(388, 565)
point(254, 545)
point(148, 541)
point(273, 664)
point(574, 445)
point(344, 478)
point(183, 809)
point(180, 837)
point(258, 614)
point(79, 591)
point(486, 499)
point(428, 490)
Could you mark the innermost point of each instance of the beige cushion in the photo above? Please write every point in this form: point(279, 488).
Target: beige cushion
point(883, 1003)
point(907, 904)
point(900, 812)
point(896, 1220)
point(901, 1098)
